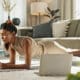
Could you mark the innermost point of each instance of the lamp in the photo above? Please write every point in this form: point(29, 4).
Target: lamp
point(38, 9)
point(48, 1)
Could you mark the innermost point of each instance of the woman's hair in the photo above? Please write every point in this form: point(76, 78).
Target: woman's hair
point(6, 45)
point(9, 26)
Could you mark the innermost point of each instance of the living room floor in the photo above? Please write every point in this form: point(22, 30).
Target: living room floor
point(23, 74)
point(33, 74)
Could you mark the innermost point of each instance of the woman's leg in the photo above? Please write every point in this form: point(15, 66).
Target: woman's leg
point(50, 47)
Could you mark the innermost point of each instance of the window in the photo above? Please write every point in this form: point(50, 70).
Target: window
point(76, 9)
point(19, 11)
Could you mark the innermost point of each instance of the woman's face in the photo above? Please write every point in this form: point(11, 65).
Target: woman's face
point(6, 36)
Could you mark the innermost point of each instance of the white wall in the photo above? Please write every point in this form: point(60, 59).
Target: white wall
point(19, 11)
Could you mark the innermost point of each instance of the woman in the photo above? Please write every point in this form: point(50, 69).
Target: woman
point(24, 45)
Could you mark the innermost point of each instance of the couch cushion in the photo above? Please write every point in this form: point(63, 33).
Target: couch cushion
point(78, 30)
point(74, 29)
point(42, 30)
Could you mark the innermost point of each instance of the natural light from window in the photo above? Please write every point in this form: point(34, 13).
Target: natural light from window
point(76, 9)
point(19, 11)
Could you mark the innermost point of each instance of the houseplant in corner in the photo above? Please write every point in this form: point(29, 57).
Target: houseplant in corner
point(8, 7)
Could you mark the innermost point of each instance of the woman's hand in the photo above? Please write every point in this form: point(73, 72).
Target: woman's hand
point(75, 53)
point(13, 66)
point(2, 65)
point(5, 65)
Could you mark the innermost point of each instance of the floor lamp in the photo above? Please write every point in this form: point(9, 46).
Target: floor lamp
point(38, 9)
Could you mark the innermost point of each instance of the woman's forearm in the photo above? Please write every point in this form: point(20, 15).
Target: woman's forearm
point(76, 53)
point(14, 66)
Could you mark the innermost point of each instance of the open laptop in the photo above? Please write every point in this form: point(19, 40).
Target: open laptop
point(55, 64)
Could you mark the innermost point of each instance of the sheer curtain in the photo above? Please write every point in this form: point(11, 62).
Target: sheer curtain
point(76, 9)
point(19, 11)
point(66, 9)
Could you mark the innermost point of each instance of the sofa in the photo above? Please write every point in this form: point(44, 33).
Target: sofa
point(65, 35)
point(62, 28)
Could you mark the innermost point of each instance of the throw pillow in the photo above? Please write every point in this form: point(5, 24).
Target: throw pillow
point(59, 28)
point(74, 28)
point(42, 30)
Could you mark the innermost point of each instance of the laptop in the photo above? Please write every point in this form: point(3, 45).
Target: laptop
point(55, 64)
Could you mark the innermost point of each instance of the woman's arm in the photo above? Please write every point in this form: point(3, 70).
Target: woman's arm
point(11, 58)
point(75, 53)
point(27, 51)
point(12, 53)
point(27, 56)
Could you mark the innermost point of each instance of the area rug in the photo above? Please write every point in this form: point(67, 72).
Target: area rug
point(24, 74)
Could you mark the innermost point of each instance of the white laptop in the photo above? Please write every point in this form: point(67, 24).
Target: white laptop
point(55, 64)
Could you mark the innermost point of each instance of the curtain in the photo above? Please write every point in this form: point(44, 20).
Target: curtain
point(66, 9)
point(19, 11)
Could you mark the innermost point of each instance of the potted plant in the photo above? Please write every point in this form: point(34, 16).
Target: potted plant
point(52, 14)
point(8, 7)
